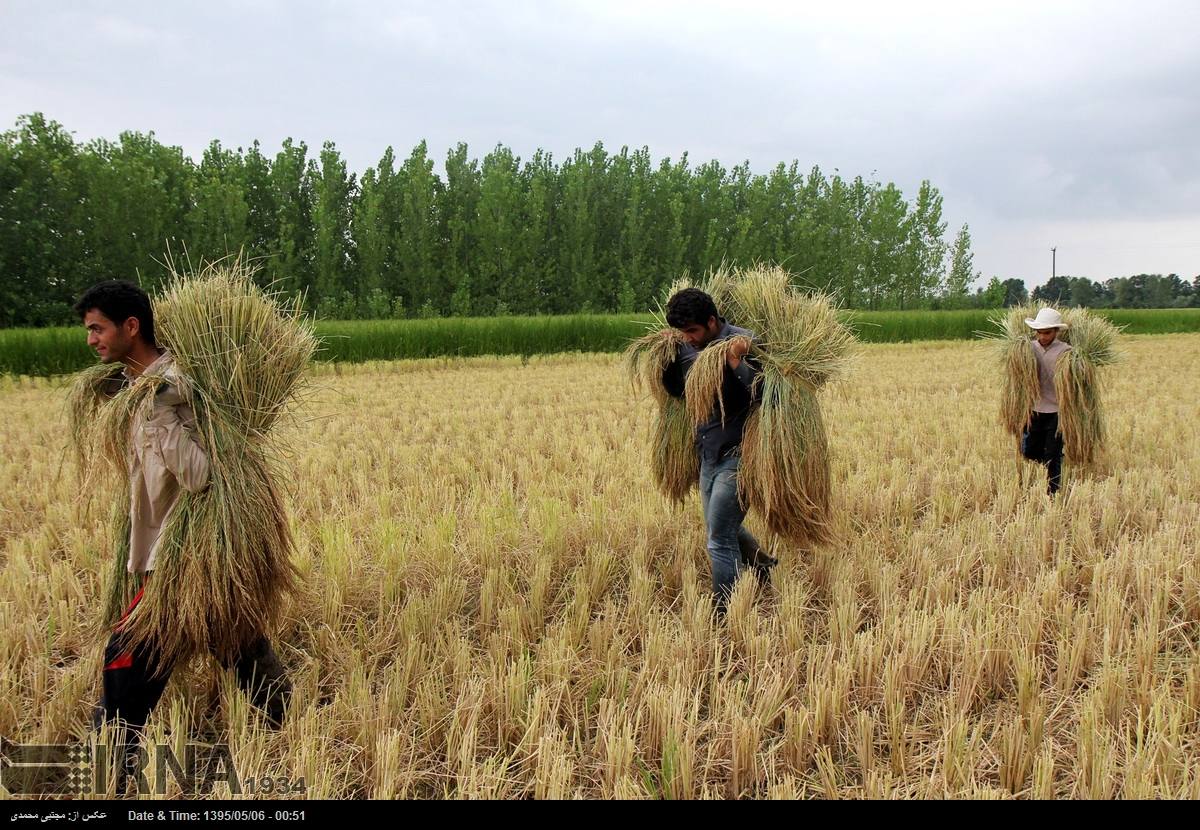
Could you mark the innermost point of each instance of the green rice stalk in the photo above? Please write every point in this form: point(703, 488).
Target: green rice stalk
point(122, 585)
point(87, 396)
point(100, 407)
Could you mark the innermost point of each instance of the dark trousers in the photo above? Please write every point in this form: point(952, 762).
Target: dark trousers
point(132, 686)
point(1041, 442)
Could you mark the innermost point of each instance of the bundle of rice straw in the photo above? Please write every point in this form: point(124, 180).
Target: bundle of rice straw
point(1093, 342)
point(784, 473)
point(675, 462)
point(223, 567)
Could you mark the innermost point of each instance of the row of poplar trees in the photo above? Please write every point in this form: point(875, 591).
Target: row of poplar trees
point(596, 231)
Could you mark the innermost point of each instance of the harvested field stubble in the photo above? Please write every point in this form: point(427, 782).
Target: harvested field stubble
point(496, 600)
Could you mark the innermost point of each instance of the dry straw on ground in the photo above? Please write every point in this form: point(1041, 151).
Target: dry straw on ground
point(223, 566)
point(499, 606)
point(801, 346)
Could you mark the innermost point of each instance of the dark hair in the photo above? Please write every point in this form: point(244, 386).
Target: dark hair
point(690, 306)
point(118, 300)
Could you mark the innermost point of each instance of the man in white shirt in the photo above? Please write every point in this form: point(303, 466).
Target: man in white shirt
point(166, 457)
point(1042, 442)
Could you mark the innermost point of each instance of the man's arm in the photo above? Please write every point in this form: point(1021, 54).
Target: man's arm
point(674, 376)
point(744, 367)
point(174, 427)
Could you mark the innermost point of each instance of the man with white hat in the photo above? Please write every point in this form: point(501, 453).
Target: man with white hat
point(1042, 441)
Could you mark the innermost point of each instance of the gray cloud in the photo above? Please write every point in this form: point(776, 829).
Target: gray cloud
point(1072, 125)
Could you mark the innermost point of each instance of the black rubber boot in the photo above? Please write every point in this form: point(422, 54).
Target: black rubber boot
point(761, 561)
point(260, 674)
point(719, 606)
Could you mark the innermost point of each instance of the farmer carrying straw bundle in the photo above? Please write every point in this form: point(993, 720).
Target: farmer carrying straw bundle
point(181, 409)
point(738, 413)
point(1051, 397)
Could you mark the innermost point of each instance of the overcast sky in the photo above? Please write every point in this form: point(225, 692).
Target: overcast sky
point(1072, 124)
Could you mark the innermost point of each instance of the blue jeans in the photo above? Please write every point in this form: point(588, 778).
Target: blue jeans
point(723, 515)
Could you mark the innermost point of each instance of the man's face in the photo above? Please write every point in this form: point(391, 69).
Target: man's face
point(1046, 337)
point(112, 342)
point(699, 336)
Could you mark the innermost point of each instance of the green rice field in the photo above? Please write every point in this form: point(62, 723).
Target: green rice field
point(54, 351)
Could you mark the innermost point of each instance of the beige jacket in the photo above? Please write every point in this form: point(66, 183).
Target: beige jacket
point(165, 455)
point(1046, 360)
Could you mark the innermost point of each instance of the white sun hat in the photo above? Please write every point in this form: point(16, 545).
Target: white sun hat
point(1047, 318)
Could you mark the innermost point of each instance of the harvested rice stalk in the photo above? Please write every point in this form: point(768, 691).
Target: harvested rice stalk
point(1020, 392)
point(1080, 414)
point(784, 474)
point(705, 379)
point(676, 463)
point(1014, 348)
point(676, 466)
point(1092, 336)
point(647, 357)
point(1093, 343)
point(90, 389)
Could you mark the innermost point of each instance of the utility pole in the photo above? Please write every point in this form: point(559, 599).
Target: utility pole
point(1053, 263)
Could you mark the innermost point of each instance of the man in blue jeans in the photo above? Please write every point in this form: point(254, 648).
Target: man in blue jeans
point(719, 440)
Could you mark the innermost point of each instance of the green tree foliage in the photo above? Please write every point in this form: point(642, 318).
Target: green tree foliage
point(598, 231)
point(458, 216)
point(289, 260)
point(925, 251)
point(994, 294)
point(372, 231)
point(886, 226)
point(1015, 293)
point(419, 283)
point(138, 194)
point(261, 206)
point(332, 188)
point(496, 253)
point(218, 223)
point(42, 251)
point(961, 274)
point(1138, 291)
point(538, 238)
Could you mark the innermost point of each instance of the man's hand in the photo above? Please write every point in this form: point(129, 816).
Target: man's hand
point(738, 347)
